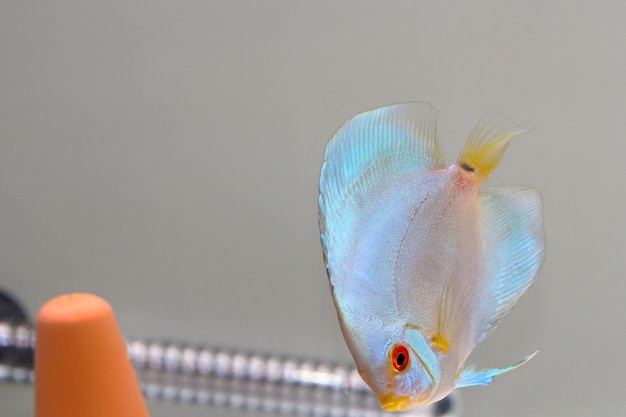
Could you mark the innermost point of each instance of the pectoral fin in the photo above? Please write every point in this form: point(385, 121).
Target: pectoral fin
point(470, 376)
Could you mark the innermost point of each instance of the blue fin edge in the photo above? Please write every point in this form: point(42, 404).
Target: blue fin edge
point(470, 376)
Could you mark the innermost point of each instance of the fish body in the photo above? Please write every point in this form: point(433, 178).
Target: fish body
point(422, 263)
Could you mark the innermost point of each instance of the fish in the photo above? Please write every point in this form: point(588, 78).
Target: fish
point(423, 263)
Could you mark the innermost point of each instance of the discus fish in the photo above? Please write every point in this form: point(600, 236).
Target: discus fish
point(422, 263)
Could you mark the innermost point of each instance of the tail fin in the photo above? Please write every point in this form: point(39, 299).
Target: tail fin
point(487, 143)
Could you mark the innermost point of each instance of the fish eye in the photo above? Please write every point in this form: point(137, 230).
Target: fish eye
point(399, 357)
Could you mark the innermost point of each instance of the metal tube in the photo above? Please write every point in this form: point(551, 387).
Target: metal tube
point(227, 378)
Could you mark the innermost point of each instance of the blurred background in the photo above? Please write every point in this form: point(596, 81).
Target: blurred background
point(165, 155)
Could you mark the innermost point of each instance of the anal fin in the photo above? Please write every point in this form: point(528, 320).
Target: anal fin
point(513, 244)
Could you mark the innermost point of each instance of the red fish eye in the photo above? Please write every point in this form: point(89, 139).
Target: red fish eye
point(399, 357)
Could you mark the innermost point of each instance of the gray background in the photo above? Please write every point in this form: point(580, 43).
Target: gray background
point(165, 155)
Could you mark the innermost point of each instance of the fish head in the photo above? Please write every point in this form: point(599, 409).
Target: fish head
point(401, 369)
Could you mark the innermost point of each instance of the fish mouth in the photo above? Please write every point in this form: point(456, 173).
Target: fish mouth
point(390, 402)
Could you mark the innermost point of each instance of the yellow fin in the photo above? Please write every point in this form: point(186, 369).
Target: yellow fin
point(487, 143)
point(441, 344)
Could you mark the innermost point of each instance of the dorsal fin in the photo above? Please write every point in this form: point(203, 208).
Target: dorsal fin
point(381, 146)
point(513, 246)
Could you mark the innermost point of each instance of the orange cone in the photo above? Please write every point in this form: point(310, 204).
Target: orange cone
point(81, 362)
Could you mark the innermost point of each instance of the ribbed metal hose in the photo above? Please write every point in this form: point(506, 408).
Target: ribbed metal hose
point(207, 376)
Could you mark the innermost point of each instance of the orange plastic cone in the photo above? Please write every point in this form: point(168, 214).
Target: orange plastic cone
point(81, 362)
